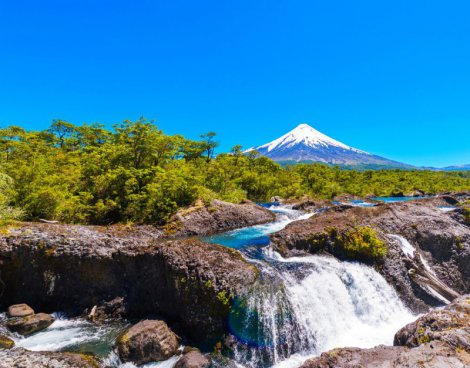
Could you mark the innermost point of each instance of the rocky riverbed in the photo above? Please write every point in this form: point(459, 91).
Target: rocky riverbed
point(438, 240)
point(190, 290)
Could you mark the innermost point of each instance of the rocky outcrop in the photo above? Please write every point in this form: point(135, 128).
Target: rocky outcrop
point(450, 325)
point(433, 355)
point(19, 310)
point(193, 359)
point(439, 339)
point(310, 205)
point(441, 240)
point(31, 324)
point(147, 341)
point(218, 216)
point(74, 268)
point(21, 358)
point(113, 309)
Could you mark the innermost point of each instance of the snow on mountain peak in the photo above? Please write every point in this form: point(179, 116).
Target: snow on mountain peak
point(306, 144)
point(306, 135)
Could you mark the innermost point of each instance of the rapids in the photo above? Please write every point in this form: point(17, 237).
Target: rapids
point(304, 306)
point(299, 308)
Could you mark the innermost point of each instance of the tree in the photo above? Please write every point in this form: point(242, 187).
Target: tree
point(64, 131)
point(209, 144)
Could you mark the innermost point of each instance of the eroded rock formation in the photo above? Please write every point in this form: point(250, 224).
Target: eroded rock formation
point(74, 268)
point(441, 241)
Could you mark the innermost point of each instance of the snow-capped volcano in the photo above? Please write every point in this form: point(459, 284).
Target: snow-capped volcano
point(305, 143)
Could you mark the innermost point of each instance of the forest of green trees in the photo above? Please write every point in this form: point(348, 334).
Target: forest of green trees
point(136, 173)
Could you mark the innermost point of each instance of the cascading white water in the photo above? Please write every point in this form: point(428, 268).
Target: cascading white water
point(316, 303)
point(344, 304)
point(66, 333)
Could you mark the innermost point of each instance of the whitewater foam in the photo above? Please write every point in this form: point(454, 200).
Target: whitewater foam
point(308, 305)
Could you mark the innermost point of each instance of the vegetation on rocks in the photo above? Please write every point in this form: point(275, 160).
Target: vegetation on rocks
point(19, 357)
point(30, 324)
point(6, 342)
point(362, 242)
point(136, 173)
point(467, 215)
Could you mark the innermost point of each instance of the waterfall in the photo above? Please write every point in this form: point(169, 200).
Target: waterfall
point(304, 306)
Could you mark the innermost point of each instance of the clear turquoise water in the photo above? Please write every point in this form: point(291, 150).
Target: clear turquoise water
point(396, 199)
point(257, 236)
point(361, 203)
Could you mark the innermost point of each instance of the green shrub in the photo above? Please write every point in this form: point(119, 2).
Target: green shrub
point(363, 243)
point(8, 213)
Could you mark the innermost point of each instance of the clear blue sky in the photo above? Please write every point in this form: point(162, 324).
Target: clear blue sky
point(388, 77)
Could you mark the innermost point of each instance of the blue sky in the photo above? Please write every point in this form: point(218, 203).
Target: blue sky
point(391, 78)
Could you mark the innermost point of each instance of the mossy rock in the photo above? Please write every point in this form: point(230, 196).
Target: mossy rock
point(359, 243)
point(31, 324)
point(6, 342)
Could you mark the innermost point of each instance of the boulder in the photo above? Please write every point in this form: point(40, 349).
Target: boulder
point(19, 310)
point(147, 341)
point(450, 325)
point(22, 358)
point(6, 342)
point(310, 205)
point(30, 324)
point(193, 359)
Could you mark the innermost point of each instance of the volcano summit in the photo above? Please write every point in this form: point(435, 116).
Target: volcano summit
point(306, 144)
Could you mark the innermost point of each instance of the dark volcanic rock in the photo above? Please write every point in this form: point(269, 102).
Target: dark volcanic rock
point(147, 341)
point(30, 324)
point(433, 355)
point(450, 325)
point(439, 339)
point(73, 268)
point(21, 358)
point(219, 216)
point(20, 310)
point(310, 205)
point(113, 309)
point(193, 359)
point(441, 239)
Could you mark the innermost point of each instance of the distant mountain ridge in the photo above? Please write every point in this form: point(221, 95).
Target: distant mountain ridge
point(457, 168)
point(306, 144)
